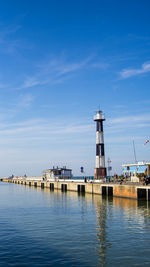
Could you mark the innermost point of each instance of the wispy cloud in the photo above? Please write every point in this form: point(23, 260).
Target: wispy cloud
point(18, 105)
point(54, 71)
point(100, 65)
point(120, 106)
point(127, 123)
point(32, 81)
point(127, 73)
point(7, 43)
point(136, 118)
point(122, 139)
point(3, 86)
point(58, 70)
point(25, 101)
point(41, 131)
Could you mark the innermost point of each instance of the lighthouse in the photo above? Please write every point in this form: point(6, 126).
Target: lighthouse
point(100, 170)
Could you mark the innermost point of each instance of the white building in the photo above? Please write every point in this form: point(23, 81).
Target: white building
point(58, 173)
point(133, 170)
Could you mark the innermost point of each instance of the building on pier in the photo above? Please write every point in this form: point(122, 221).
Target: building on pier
point(58, 173)
point(135, 169)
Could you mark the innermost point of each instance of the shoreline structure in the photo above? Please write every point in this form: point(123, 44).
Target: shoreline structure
point(133, 191)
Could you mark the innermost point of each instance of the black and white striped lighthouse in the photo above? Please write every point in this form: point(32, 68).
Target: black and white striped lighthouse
point(100, 170)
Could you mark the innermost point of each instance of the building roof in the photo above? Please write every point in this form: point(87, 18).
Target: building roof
point(137, 169)
point(58, 169)
point(136, 164)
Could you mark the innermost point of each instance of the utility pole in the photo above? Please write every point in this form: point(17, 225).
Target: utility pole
point(109, 167)
point(134, 152)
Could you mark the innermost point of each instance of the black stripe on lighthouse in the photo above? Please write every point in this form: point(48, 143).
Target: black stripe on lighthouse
point(101, 126)
point(97, 150)
point(97, 126)
point(102, 150)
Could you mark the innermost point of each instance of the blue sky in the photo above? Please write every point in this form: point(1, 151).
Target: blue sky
point(59, 62)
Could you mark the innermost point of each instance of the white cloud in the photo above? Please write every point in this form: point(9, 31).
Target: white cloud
point(39, 129)
point(100, 65)
point(128, 125)
point(126, 73)
point(120, 106)
point(17, 106)
point(25, 101)
point(8, 44)
point(54, 71)
point(131, 119)
point(31, 82)
point(42, 131)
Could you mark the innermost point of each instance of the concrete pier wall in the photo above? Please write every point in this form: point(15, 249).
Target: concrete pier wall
point(117, 190)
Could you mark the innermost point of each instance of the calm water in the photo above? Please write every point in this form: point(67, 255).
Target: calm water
point(43, 228)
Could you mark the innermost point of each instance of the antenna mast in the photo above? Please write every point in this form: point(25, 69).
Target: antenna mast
point(134, 152)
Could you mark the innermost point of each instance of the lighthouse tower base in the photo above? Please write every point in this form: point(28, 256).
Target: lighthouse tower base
point(100, 173)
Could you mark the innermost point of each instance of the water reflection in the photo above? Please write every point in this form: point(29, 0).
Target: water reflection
point(121, 227)
point(131, 219)
point(101, 213)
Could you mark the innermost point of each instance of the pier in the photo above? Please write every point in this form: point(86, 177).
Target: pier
point(106, 189)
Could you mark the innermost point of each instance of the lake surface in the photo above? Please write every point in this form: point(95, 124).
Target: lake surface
point(39, 227)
